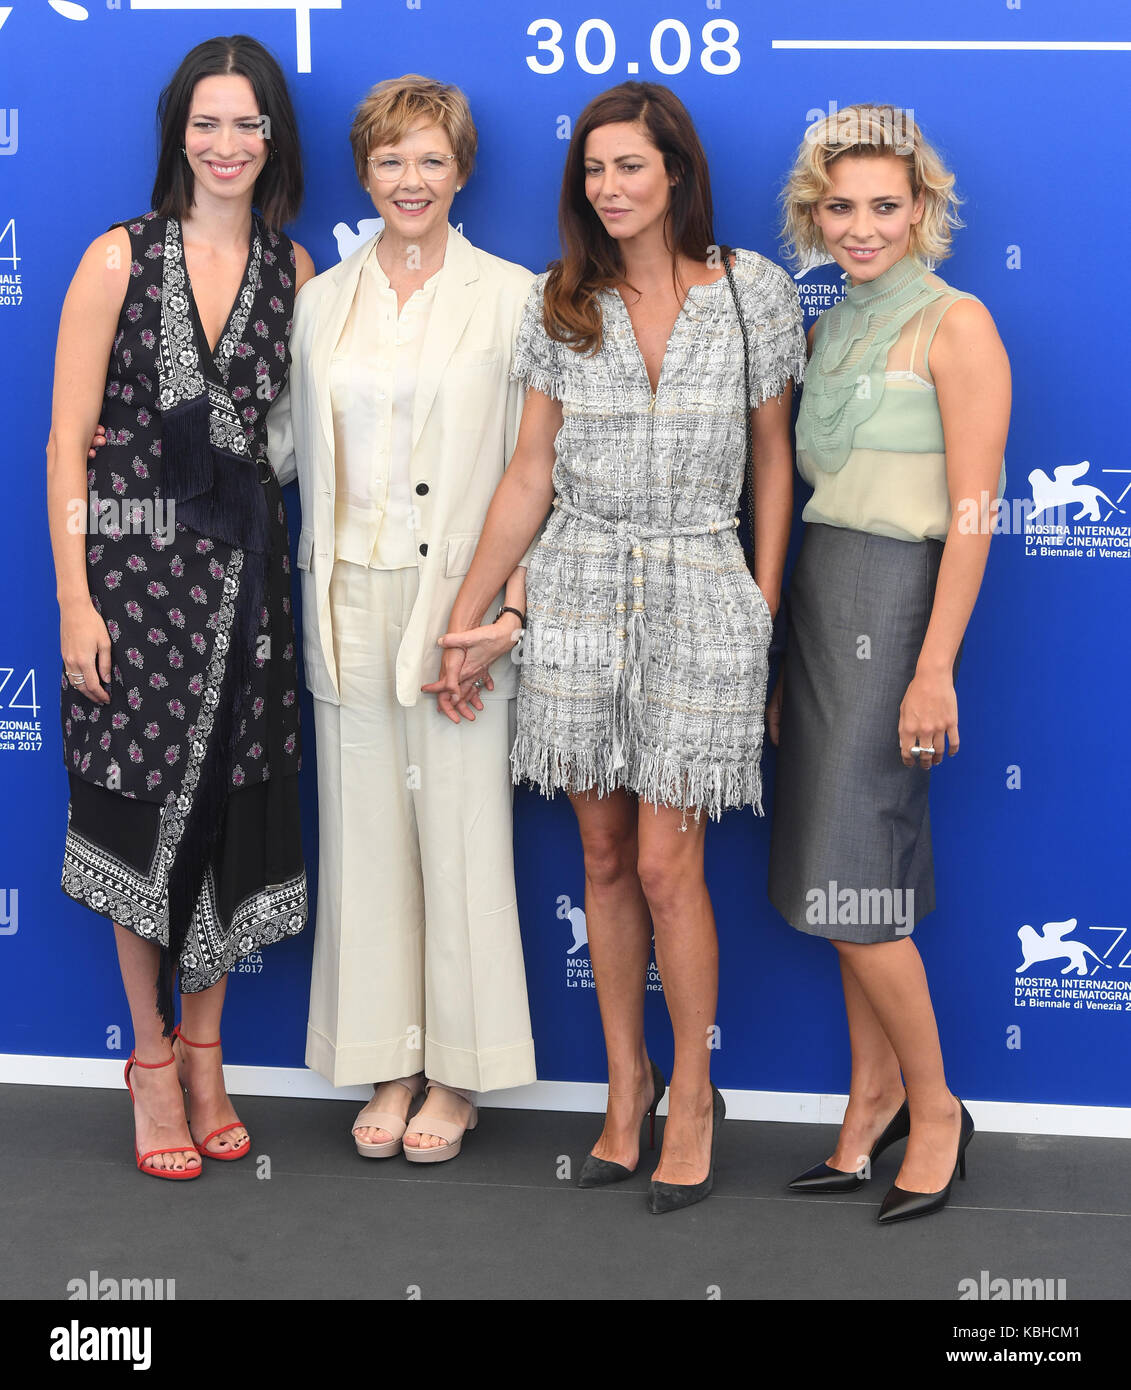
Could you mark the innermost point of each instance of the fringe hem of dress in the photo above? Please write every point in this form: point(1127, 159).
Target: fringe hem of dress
point(658, 778)
point(541, 381)
point(793, 372)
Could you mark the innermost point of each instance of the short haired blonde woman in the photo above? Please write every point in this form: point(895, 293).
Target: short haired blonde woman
point(399, 421)
point(904, 416)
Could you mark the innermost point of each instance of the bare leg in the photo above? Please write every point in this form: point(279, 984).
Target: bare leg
point(620, 937)
point(200, 1068)
point(891, 976)
point(875, 1092)
point(687, 953)
point(159, 1109)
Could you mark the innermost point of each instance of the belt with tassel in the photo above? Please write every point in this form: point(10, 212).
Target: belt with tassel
point(630, 664)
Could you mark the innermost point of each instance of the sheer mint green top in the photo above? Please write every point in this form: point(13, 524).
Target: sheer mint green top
point(869, 432)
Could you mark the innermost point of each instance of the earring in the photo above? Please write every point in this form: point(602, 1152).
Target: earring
point(459, 186)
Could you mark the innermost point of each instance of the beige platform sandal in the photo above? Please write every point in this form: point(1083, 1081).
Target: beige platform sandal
point(373, 1118)
point(451, 1133)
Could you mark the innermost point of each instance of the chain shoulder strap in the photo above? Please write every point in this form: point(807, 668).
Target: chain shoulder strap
point(748, 481)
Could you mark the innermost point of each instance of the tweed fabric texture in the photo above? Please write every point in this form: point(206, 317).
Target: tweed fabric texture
point(645, 661)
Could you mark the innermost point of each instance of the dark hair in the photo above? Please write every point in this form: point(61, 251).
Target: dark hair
point(591, 260)
point(278, 189)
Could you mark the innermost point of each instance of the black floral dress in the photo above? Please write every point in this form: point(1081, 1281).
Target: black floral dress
point(184, 823)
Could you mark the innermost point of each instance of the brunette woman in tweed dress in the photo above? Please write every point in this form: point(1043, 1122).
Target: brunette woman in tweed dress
point(645, 660)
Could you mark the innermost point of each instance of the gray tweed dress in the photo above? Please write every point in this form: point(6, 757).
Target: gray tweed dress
point(645, 661)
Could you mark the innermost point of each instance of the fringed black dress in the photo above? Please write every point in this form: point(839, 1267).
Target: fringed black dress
point(184, 819)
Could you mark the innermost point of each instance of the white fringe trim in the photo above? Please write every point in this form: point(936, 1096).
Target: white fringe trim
point(548, 385)
point(661, 779)
point(792, 371)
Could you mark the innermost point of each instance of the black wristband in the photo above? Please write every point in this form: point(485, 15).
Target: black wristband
point(505, 609)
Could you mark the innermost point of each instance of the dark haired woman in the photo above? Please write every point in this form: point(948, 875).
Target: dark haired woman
point(180, 724)
point(645, 660)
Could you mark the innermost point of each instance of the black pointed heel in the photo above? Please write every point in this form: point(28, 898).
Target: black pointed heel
point(822, 1178)
point(599, 1172)
point(902, 1205)
point(671, 1196)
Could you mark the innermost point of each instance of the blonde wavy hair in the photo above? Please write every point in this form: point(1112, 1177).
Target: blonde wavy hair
point(871, 132)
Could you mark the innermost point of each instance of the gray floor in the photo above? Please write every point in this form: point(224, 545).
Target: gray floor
point(499, 1223)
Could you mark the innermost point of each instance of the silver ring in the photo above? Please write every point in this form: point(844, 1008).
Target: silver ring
point(76, 677)
point(479, 684)
point(916, 751)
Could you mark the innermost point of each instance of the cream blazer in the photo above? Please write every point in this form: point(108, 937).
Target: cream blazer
point(464, 427)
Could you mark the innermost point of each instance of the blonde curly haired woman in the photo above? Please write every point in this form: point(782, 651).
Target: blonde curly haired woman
point(904, 417)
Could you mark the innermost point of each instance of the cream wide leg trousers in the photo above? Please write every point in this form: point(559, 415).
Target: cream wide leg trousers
point(417, 954)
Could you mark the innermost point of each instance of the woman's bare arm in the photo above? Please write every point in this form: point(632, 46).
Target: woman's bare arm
point(972, 378)
point(304, 266)
point(87, 326)
point(518, 508)
point(773, 705)
point(773, 492)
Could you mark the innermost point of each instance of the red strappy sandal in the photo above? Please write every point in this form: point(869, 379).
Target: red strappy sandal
point(202, 1144)
point(176, 1175)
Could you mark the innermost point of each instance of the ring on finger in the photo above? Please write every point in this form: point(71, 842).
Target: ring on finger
point(917, 752)
point(76, 677)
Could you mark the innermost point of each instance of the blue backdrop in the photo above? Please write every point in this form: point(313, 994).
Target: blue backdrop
point(1029, 819)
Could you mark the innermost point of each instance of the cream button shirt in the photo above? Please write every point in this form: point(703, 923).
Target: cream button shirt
point(373, 376)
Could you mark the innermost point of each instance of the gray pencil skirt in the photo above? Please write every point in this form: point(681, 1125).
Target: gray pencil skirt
point(850, 854)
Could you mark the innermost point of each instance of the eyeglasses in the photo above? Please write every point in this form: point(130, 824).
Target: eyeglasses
point(433, 167)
